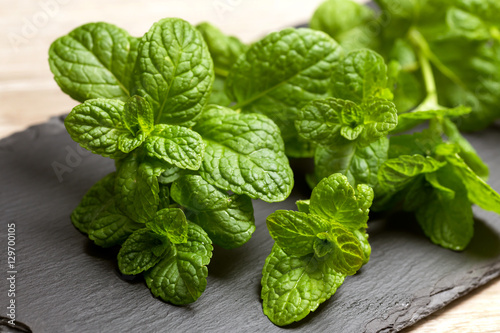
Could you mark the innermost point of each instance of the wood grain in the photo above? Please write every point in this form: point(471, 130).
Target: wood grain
point(28, 94)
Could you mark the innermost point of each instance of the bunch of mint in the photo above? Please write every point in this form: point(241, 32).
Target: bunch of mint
point(199, 123)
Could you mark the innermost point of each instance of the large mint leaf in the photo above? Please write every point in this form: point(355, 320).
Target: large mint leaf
point(174, 71)
point(141, 251)
point(136, 188)
point(359, 165)
point(334, 199)
point(448, 222)
point(293, 286)
point(295, 232)
point(227, 219)
point(395, 174)
point(96, 125)
point(171, 223)
point(359, 76)
point(110, 227)
point(93, 202)
point(478, 191)
point(181, 275)
point(244, 154)
point(94, 61)
point(176, 145)
point(281, 73)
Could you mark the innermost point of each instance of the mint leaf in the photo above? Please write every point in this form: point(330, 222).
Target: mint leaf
point(303, 205)
point(333, 122)
point(359, 76)
point(362, 237)
point(293, 286)
point(96, 126)
point(396, 173)
point(467, 152)
point(244, 154)
point(359, 165)
point(225, 50)
point(170, 222)
point(128, 141)
point(342, 249)
point(164, 195)
point(334, 199)
point(174, 71)
point(141, 251)
point(448, 222)
point(295, 232)
point(170, 174)
point(94, 60)
point(110, 227)
point(93, 202)
point(180, 276)
point(176, 145)
point(138, 115)
point(136, 188)
point(338, 17)
point(478, 191)
point(227, 219)
point(260, 84)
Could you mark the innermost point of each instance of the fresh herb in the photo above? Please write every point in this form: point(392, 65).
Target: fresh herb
point(315, 248)
point(199, 124)
point(144, 104)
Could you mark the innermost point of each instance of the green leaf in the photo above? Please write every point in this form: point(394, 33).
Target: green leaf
point(303, 205)
point(176, 145)
point(244, 154)
point(227, 219)
point(444, 192)
point(225, 50)
point(467, 25)
point(218, 95)
point(343, 250)
point(295, 232)
point(359, 76)
point(293, 286)
point(478, 191)
point(338, 17)
point(141, 251)
point(180, 276)
point(93, 202)
point(110, 227)
point(446, 222)
point(395, 174)
point(96, 126)
point(333, 122)
point(94, 61)
point(362, 237)
point(174, 71)
point(138, 115)
point(359, 165)
point(467, 152)
point(422, 143)
point(170, 174)
point(136, 188)
point(334, 199)
point(170, 222)
point(164, 195)
point(281, 73)
point(127, 142)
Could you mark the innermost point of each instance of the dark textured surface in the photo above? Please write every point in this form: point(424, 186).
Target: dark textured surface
point(66, 284)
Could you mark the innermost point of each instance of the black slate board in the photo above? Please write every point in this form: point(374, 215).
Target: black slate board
point(67, 284)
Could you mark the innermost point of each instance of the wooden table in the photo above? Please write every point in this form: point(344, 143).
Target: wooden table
point(28, 94)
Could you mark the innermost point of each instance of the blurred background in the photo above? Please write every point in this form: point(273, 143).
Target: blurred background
point(29, 95)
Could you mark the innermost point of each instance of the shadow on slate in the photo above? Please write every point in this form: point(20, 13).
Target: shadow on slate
point(66, 284)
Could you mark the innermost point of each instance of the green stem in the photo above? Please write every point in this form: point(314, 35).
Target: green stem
point(430, 83)
point(421, 44)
